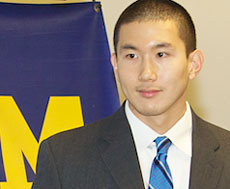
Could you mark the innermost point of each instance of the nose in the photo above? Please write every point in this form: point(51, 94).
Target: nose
point(148, 70)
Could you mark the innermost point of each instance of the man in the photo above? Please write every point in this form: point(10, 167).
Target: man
point(155, 58)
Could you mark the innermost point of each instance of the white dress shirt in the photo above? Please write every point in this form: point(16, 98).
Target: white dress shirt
point(179, 153)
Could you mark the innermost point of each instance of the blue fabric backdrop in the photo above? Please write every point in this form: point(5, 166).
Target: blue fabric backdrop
point(55, 50)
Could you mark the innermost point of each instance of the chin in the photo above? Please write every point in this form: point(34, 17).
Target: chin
point(149, 111)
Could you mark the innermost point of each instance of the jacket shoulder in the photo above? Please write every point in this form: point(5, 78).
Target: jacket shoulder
point(206, 128)
point(84, 135)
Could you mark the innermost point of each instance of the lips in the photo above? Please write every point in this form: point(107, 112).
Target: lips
point(149, 93)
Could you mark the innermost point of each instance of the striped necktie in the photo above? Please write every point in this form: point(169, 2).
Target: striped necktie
point(160, 176)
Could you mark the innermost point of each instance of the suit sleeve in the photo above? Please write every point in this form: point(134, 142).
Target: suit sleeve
point(47, 176)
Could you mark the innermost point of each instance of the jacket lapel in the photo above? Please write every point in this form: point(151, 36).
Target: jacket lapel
point(118, 152)
point(206, 164)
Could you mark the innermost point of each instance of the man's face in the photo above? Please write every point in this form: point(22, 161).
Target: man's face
point(152, 67)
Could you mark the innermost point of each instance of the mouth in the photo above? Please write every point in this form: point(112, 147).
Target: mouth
point(149, 93)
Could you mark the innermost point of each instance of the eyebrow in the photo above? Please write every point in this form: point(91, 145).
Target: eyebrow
point(127, 47)
point(162, 45)
point(155, 46)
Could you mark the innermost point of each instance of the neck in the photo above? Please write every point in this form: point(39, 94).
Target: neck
point(161, 124)
point(165, 121)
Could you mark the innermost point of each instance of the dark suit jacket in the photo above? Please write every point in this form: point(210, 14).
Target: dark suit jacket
point(103, 156)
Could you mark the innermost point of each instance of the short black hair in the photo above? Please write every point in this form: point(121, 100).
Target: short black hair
point(159, 10)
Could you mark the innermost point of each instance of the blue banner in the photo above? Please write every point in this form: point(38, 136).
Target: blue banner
point(55, 74)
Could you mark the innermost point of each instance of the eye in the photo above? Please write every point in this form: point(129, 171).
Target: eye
point(161, 54)
point(131, 56)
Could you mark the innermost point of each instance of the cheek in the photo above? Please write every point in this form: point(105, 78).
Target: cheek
point(174, 74)
point(127, 74)
point(125, 78)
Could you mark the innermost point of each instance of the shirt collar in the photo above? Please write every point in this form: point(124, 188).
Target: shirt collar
point(180, 134)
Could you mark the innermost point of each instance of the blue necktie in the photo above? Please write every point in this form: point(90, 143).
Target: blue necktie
point(160, 176)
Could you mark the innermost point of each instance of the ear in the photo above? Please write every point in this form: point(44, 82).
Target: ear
point(196, 60)
point(115, 66)
point(114, 62)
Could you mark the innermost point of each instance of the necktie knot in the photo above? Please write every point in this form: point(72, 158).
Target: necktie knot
point(163, 144)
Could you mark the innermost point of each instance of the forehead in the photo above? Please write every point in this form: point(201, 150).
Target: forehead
point(146, 33)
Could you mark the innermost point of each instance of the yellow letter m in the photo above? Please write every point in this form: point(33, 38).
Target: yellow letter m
point(18, 144)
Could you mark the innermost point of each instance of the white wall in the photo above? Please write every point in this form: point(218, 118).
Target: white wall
point(208, 94)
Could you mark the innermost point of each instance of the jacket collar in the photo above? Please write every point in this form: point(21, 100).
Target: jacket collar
point(118, 151)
